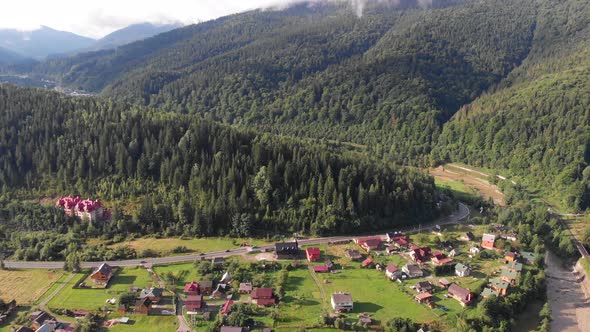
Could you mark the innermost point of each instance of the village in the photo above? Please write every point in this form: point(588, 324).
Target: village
point(354, 284)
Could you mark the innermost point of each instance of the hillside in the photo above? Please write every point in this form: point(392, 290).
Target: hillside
point(194, 177)
point(537, 124)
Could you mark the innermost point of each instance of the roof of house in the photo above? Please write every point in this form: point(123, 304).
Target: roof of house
point(510, 274)
point(489, 292)
point(246, 286)
point(41, 317)
point(143, 302)
point(261, 293)
point(367, 261)
point(423, 284)
point(460, 292)
point(423, 296)
point(24, 329)
point(286, 246)
point(227, 307)
point(444, 282)
point(232, 329)
point(313, 251)
point(516, 266)
point(151, 292)
point(372, 243)
point(194, 298)
point(413, 268)
point(488, 238)
point(443, 261)
point(342, 297)
point(528, 255)
point(45, 328)
point(469, 235)
point(461, 268)
point(191, 287)
point(104, 268)
point(499, 283)
point(352, 253)
point(391, 268)
point(321, 268)
point(510, 254)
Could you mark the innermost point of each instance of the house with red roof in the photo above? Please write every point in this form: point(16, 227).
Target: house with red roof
point(321, 269)
point(420, 254)
point(488, 240)
point(102, 274)
point(263, 297)
point(226, 309)
point(192, 288)
point(367, 262)
point(85, 209)
point(438, 258)
point(460, 294)
point(194, 303)
point(370, 244)
point(392, 272)
point(313, 254)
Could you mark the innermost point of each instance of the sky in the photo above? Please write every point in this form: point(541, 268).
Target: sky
point(97, 18)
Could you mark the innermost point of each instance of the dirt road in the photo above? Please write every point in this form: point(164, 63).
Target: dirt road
point(569, 306)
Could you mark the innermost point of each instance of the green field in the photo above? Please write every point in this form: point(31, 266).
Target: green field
point(94, 299)
point(302, 305)
point(459, 189)
point(146, 323)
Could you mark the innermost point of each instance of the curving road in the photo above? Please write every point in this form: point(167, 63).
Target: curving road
point(454, 218)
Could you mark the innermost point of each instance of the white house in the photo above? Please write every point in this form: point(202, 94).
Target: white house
point(392, 272)
point(342, 301)
point(462, 270)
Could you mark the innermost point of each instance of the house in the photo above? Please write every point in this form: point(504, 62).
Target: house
point(329, 264)
point(192, 288)
point(233, 329)
point(154, 294)
point(245, 288)
point(462, 270)
point(487, 292)
point(205, 286)
point(423, 297)
point(460, 294)
point(219, 291)
point(103, 274)
point(509, 236)
point(467, 236)
point(487, 241)
point(392, 272)
point(24, 329)
point(84, 209)
point(454, 252)
point(423, 286)
point(355, 255)
point(39, 318)
point(474, 250)
point(342, 302)
point(392, 236)
point(226, 309)
point(413, 271)
point(499, 285)
point(287, 250)
point(390, 250)
point(321, 269)
point(438, 258)
point(122, 308)
point(46, 328)
point(313, 254)
point(217, 260)
point(368, 262)
point(510, 256)
point(143, 306)
point(194, 303)
point(528, 257)
point(370, 244)
point(509, 275)
point(444, 283)
point(401, 243)
point(420, 254)
point(263, 296)
point(514, 266)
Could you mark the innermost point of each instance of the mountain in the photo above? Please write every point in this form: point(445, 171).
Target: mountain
point(133, 33)
point(42, 42)
point(8, 57)
point(415, 82)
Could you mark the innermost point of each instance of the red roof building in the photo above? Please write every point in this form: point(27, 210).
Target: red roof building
point(420, 254)
point(84, 209)
point(460, 294)
point(367, 262)
point(226, 309)
point(488, 240)
point(192, 288)
point(438, 258)
point(313, 254)
point(321, 269)
point(263, 296)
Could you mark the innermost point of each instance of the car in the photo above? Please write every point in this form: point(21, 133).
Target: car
point(228, 250)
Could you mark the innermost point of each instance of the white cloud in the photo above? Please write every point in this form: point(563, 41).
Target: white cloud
point(97, 18)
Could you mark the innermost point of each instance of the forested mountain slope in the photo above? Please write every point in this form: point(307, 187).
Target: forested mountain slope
point(537, 123)
point(194, 177)
point(387, 79)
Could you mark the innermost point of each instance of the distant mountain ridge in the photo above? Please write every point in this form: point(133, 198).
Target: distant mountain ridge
point(133, 33)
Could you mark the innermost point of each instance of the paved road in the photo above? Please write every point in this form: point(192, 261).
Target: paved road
point(454, 218)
